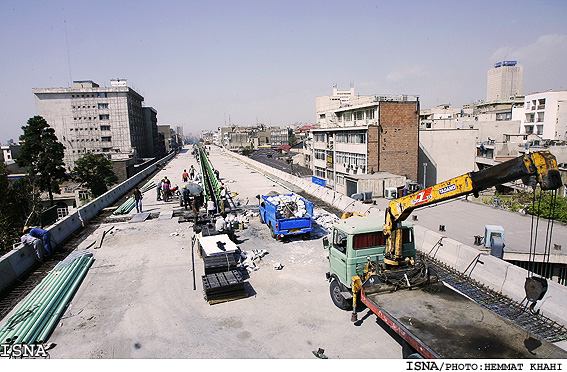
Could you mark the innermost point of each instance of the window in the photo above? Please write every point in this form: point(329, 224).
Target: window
point(339, 240)
point(347, 116)
point(101, 95)
point(103, 106)
point(104, 117)
point(105, 127)
point(106, 139)
point(377, 239)
point(320, 154)
point(359, 115)
point(319, 137)
point(368, 240)
point(369, 114)
point(319, 172)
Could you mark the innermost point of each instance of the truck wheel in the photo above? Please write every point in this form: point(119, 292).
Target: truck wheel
point(338, 299)
point(262, 218)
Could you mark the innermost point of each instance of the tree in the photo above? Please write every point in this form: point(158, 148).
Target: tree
point(292, 140)
point(94, 172)
point(42, 155)
point(17, 203)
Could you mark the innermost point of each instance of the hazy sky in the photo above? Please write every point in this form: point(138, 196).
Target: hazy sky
point(199, 63)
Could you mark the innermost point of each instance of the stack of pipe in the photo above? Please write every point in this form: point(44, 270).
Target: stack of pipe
point(38, 315)
point(129, 204)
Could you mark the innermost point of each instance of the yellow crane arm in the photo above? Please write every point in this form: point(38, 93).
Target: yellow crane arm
point(542, 165)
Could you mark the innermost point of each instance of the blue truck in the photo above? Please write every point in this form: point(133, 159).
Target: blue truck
point(286, 214)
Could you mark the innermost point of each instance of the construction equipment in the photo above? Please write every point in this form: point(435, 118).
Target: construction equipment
point(371, 257)
point(541, 165)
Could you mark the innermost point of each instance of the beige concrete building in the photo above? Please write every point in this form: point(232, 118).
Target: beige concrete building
point(88, 118)
point(504, 81)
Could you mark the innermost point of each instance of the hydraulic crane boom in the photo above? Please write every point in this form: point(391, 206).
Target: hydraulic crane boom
point(542, 165)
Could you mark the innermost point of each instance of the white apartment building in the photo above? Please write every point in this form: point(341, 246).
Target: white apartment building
point(88, 118)
point(545, 114)
point(504, 81)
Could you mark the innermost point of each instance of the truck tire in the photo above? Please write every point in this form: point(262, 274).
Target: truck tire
point(262, 218)
point(335, 288)
point(272, 233)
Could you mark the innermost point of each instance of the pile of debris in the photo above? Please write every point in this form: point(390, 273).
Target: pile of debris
point(248, 259)
point(324, 219)
point(289, 206)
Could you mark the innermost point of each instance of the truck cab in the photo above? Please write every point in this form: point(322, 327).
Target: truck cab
point(350, 244)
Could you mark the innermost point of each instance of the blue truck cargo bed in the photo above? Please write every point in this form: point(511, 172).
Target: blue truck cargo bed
point(286, 214)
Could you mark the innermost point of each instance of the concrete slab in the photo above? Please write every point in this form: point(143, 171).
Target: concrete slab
point(139, 217)
point(165, 215)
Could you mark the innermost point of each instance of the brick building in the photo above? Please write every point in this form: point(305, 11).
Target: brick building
point(363, 137)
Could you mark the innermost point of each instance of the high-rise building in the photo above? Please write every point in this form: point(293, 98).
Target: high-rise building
point(504, 81)
point(88, 118)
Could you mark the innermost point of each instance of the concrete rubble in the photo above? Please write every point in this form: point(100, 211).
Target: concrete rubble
point(248, 258)
point(289, 206)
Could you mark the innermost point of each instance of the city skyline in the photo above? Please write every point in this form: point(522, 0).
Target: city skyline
point(203, 64)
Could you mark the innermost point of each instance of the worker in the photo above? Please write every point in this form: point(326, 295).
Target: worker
point(185, 175)
point(44, 235)
point(195, 207)
point(211, 207)
point(224, 227)
point(159, 188)
point(186, 195)
point(191, 172)
point(36, 243)
point(222, 201)
point(138, 199)
point(166, 190)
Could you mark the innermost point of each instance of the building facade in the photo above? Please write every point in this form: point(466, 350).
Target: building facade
point(363, 136)
point(87, 118)
point(545, 114)
point(504, 81)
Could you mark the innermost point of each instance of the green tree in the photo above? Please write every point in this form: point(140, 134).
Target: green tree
point(292, 140)
point(94, 172)
point(17, 204)
point(42, 155)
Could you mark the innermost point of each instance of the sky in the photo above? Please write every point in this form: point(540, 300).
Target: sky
point(206, 64)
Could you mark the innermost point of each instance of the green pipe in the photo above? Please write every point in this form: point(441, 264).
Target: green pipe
point(46, 301)
point(61, 302)
point(70, 293)
point(28, 304)
point(36, 301)
point(52, 303)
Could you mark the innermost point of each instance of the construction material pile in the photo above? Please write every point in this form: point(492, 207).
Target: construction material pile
point(38, 315)
point(289, 206)
point(219, 263)
point(225, 286)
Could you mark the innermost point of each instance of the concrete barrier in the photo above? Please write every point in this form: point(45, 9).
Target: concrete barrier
point(493, 272)
point(22, 259)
